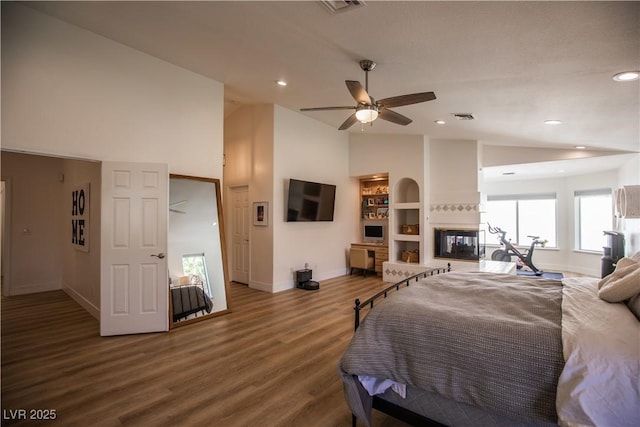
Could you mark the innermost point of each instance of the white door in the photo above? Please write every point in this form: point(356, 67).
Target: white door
point(240, 239)
point(134, 279)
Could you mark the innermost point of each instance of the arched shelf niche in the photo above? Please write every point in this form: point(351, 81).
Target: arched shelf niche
point(407, 191)
point(406, 225)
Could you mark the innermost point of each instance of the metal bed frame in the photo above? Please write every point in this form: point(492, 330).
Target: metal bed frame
point(379, 404)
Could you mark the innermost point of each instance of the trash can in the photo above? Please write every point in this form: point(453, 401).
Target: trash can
point(612, 251)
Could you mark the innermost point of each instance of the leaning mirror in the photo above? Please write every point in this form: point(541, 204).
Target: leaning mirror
point(198, 286)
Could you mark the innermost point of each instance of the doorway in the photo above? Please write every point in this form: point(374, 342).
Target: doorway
point(4, 236)
point(240, 238)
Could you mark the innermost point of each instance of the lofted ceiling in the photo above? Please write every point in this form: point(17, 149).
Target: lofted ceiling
point(512, 65)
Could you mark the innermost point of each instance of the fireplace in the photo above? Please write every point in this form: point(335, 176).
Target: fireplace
point(459, 244)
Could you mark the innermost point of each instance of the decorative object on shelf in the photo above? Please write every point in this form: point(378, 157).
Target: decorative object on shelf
point(410, 229)
point(411, 256)
point(371, 201)
point(382, 213)
point(261, 213)
point(382, 189)
point(453, 207)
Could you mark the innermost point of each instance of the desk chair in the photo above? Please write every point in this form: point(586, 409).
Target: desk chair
point(360, 259)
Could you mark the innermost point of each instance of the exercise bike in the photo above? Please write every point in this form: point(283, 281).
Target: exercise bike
point(510, 250)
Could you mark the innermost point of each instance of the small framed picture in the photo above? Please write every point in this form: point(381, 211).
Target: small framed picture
point(371, 202)
point(261, 213)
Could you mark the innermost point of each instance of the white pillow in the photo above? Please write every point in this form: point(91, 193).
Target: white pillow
point(621, 270)
point(634, 305)
point(624, 284)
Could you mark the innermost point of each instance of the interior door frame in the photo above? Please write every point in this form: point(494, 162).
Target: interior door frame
point(6, 236)
point(232, 225)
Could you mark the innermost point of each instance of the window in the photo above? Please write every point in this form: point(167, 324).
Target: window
point(524, 215)
point(594, 214)
point(195, 265)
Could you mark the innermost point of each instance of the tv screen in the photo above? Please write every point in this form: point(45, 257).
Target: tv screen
point(374, 231)
point(310, 201)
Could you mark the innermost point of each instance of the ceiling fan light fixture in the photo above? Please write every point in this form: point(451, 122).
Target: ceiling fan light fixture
point(367, 114)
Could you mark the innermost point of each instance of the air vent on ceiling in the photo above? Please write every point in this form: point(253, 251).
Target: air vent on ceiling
point(339, 6)
point(463, 116)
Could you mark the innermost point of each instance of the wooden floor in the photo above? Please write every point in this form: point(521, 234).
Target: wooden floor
point(271, 362)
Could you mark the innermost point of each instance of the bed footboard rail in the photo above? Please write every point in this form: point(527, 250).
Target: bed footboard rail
point(369, 303)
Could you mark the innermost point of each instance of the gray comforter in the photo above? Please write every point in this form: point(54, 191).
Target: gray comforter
point(492, 341)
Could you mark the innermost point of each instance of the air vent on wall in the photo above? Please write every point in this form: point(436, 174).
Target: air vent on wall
point(463, 116)
point(339, 6)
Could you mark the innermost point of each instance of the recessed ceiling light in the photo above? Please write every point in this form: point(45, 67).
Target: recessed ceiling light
point(439, 122)
point(281, 83)
point(580, 147)
point(552, 122)
point(627, 76)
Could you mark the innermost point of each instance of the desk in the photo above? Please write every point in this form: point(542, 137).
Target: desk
point(498, 267)
point(381, 253)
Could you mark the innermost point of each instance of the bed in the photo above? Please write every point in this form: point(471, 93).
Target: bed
point(486, 349)
point(189, 299)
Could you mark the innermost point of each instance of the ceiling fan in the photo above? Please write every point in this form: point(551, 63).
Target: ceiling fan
point(368, 109)
point(172, 207)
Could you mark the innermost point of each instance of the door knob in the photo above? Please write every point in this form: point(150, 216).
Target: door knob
point(160, 255)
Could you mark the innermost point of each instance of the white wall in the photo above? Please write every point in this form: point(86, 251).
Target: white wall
point(81, 270)
point(311, 151)
point(33, 261)
point(249, 141)
point(453, 181)
point(70, 92)
point(629, 174)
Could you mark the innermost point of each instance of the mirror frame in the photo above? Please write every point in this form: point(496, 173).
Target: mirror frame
point(223, 251)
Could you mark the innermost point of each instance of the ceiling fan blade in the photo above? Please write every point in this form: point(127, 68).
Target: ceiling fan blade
point(351, 120)
point(393, 117)
point(412, 98)
point(358, 92)
point(327, 108)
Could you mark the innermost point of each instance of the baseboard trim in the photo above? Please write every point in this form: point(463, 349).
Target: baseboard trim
point(32, 288)
point(82, 301)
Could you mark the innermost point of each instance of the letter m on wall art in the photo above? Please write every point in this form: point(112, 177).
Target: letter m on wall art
point(80, 217)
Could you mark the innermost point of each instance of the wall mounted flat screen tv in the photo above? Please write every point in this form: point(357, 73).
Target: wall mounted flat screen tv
point(310, 201)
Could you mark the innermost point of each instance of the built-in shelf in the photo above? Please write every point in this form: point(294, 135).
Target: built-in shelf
point(374, 198)
point(411, 205)
point(407, 237)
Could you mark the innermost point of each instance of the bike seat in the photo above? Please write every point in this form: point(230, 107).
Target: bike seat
point(534, 237)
